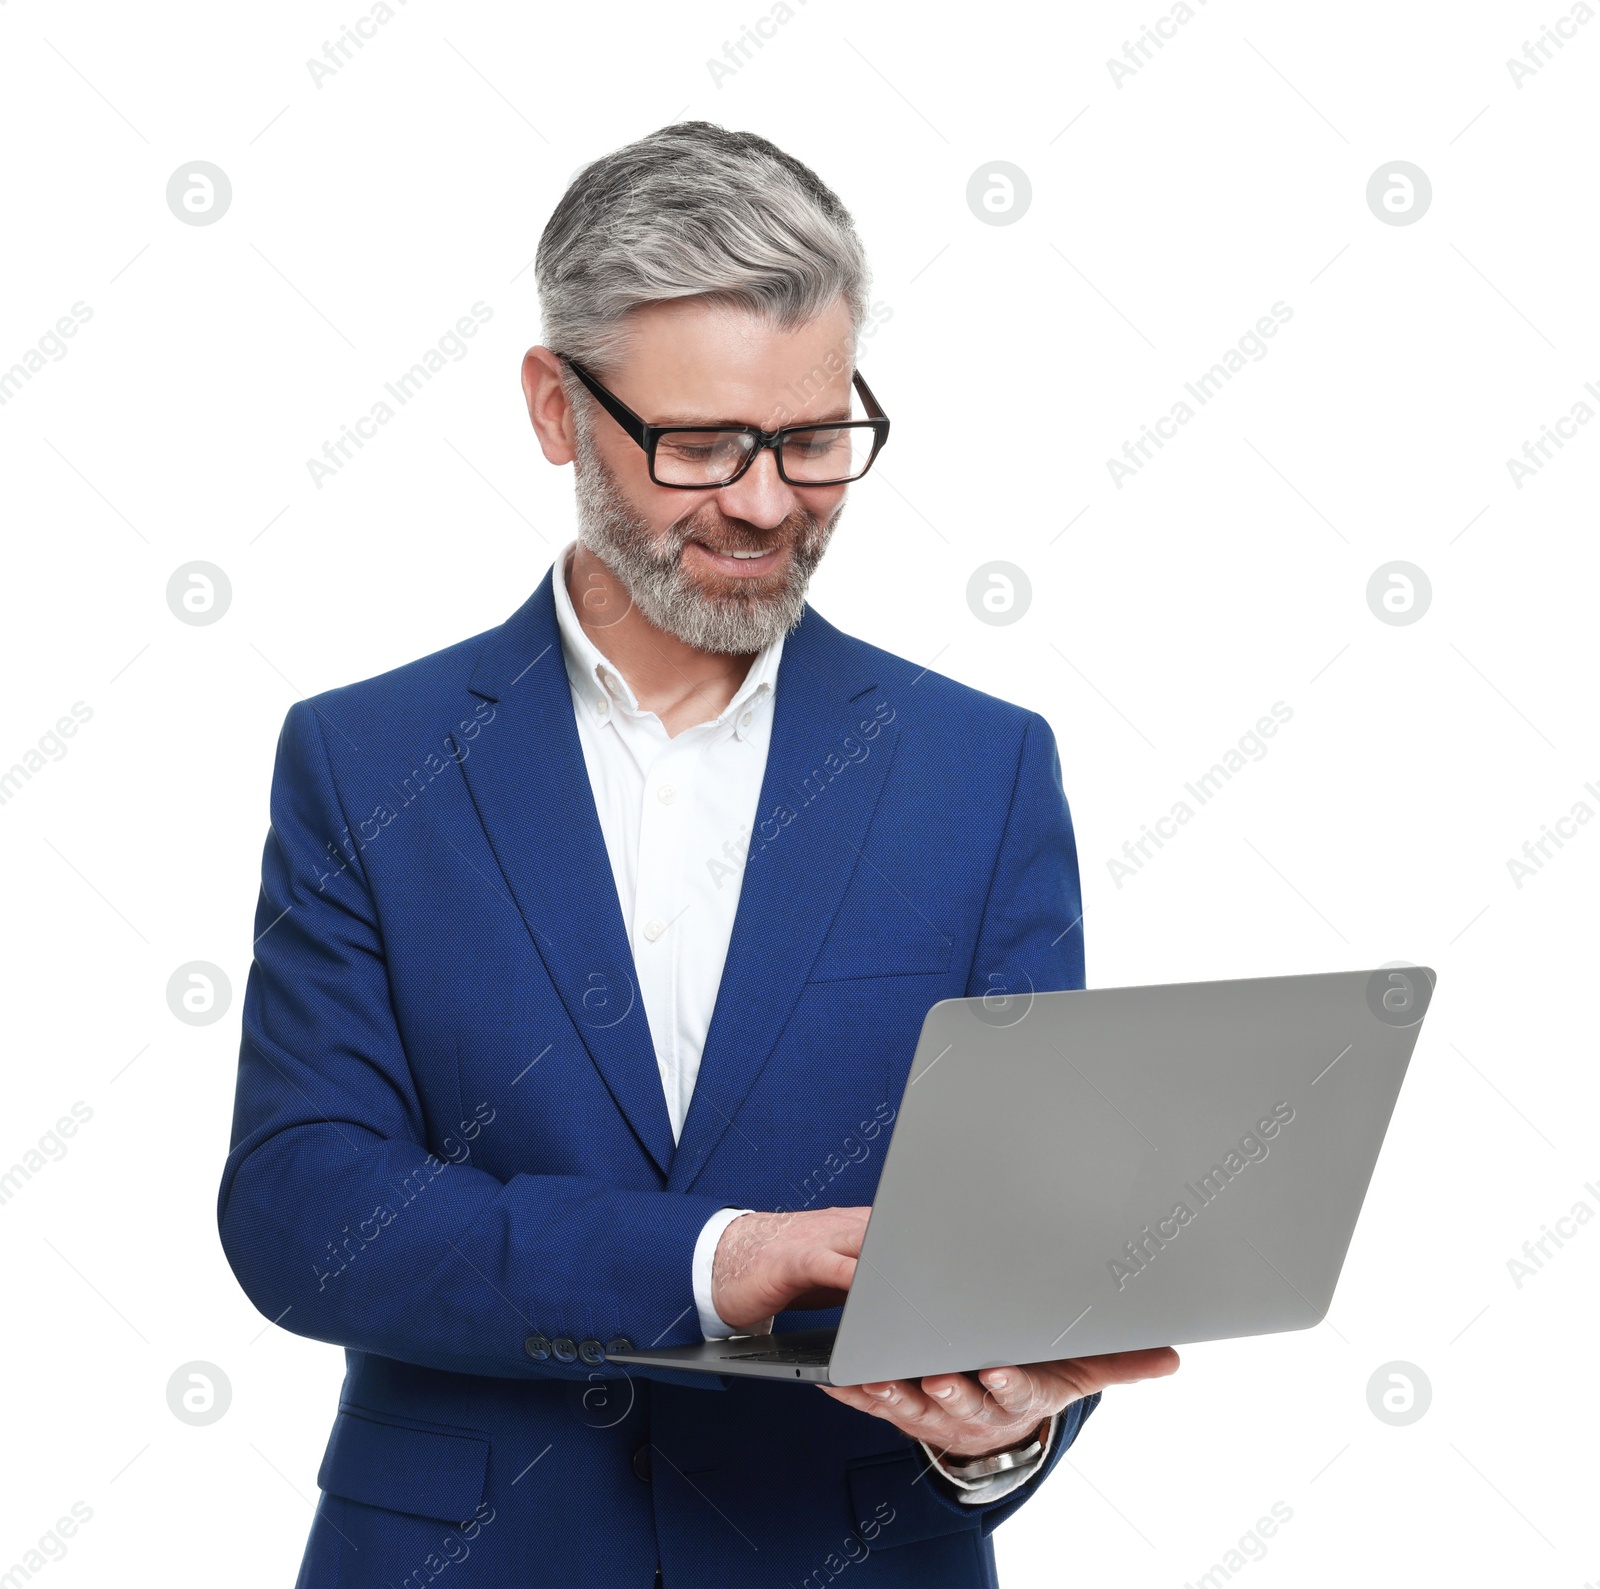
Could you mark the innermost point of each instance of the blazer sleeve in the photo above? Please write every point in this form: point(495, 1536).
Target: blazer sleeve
point(1031, 939)
point(339, 1219)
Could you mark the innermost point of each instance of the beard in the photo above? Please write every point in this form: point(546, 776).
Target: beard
point(733, 615)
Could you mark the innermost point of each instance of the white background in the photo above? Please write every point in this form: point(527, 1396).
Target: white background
point(1168, 613)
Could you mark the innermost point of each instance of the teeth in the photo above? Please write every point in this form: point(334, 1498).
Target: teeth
point(743, 557)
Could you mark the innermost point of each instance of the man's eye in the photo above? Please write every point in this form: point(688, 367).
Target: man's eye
point(699, 448)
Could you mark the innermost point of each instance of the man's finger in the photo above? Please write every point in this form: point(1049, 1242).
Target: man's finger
point(883, 1399)
point(854, 1229)
point(955, 1395)
point(901, 1399)
point(831, 1271)
point(1014, 1389)
point(1116, 1368)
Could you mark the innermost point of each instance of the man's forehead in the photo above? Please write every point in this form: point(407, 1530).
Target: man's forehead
point(710, 364)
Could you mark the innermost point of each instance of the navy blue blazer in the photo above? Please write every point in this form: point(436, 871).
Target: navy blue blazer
point(451, 1153)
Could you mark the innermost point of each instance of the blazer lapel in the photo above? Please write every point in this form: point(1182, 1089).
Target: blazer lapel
point(822, 782)
point(528, 779)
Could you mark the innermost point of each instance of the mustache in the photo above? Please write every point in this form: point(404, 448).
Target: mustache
point(735, 535)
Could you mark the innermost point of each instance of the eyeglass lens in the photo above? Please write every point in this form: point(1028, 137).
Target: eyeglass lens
point(702, 457)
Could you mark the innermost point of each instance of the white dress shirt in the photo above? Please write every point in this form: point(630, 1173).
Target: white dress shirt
point(677, 813)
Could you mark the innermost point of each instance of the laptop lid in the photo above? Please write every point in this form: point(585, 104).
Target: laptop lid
point(1098, 1170)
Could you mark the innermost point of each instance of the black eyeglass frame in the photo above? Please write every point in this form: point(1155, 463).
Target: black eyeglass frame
point(647, 435)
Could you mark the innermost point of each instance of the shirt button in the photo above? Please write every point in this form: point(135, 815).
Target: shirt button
point(654, 929)
point(666, 794)
point(745, 721)
point(602, 708)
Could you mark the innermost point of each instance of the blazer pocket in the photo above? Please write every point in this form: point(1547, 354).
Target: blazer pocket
point(857, 955)
point(884, 1489)
point(432, 1471)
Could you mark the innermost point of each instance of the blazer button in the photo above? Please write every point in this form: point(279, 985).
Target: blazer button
point(619, 1343)
point(641, 1463)
point(591, 1352)
point(564, 1349)
point(537, 1347)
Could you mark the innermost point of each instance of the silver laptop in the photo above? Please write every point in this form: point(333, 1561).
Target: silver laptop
point(1093, 1171)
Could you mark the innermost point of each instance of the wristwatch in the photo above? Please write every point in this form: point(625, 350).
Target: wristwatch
point(969, 1472)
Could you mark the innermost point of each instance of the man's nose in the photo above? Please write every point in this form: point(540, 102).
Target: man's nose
point(759, 496)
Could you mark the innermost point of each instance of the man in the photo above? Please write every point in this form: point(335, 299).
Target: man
point(592, 953)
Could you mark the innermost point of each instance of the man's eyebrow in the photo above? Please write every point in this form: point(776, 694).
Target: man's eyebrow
point(705, 423)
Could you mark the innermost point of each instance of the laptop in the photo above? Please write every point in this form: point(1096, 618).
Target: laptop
point(1097, 1170)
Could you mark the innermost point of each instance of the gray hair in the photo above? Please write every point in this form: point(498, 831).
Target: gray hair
point(691, 211)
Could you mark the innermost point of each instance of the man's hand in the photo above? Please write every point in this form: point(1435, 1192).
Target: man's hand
point(765, 1263)
point(968, 1417)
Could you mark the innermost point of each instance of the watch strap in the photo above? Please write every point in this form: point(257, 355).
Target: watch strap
point(970, 1473)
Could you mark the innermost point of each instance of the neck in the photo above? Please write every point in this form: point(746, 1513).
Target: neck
point(680, 683)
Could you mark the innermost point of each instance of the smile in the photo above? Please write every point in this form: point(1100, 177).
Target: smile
point(741, 565)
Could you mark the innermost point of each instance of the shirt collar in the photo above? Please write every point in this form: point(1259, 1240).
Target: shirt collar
point(602, 690)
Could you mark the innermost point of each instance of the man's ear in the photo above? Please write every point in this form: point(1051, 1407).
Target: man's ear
point(548, 408)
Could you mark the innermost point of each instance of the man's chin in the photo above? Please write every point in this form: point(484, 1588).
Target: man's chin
point(731, 615)
point(716, 593)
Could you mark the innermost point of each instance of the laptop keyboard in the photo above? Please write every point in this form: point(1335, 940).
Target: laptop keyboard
point(801, 1356)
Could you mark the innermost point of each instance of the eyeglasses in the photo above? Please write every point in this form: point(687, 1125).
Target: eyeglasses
point(697, 458)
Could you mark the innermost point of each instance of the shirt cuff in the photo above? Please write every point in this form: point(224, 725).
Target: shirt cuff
point(713, 1327)
point(982, 1491)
